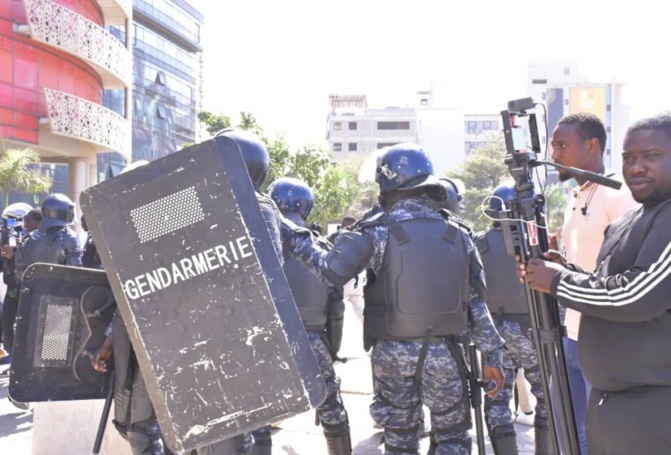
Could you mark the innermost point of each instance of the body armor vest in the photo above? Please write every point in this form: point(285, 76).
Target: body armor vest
point(505, 293)
point(47, 247)
point(310, 295)
point(423, 282)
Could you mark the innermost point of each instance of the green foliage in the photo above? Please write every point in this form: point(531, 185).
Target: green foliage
point(19, 172)
point(336, 187)
point(214, 122)
point(555, 201)
point(483, 171)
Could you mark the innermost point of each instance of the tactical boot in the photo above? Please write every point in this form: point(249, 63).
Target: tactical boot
point(338, 440)
point(262, 447)
point(503, 440)
point(544, 445)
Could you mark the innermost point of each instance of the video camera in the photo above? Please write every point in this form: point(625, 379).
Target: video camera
point(11, 231)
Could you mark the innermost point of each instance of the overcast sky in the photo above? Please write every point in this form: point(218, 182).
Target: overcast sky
point(281, 59)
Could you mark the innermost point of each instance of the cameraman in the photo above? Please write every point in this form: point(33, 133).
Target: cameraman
point(32, 221)
point(625, 324)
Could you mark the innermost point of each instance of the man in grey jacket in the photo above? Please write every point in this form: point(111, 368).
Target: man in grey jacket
point(625, 329)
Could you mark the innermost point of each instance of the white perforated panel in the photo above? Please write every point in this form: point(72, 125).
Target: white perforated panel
point(57, 332)
point(167, 214)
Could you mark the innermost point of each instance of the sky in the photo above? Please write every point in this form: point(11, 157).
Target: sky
point(280, 60)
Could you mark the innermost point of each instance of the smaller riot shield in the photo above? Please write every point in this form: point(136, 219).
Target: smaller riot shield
point(61, 322)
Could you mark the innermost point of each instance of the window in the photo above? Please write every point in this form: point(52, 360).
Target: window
point(160, 78)
point(337, 147)
point(393, 125)
point(424, 102)
point(567, 71)
point(488, 126)
point(337, 126)
point(351, 146)
point(471, 127)
point(161, 112)
point(352, 125)
point(381, 145)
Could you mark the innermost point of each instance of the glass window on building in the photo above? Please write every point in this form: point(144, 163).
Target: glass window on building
point(393, 125)
point(471, 127)
point(337, 126)
point(337, 147)
point(351, 146)
point(352, 125)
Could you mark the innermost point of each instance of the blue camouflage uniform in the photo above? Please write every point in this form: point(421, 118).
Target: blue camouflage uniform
point(519, 352)
point(398, 400)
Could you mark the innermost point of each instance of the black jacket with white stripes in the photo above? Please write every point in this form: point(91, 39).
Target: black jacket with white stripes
point(625, 329)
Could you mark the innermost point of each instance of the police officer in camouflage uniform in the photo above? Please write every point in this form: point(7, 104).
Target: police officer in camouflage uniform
point(425, 287)
point(313, 298)
point(54, 242)
point(287, 238)
point(507, 304)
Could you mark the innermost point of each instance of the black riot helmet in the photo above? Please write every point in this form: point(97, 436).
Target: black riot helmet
point(292, 195)
point(253, 151)
point(501, 197)
point(57, 210)
point(407, 166)
point(453, 198)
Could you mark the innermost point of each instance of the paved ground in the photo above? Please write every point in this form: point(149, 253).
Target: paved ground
point(295, 436)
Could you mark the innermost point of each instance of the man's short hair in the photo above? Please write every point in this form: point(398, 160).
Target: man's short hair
point(589, 126)
point(35, 214)
point(659, 122)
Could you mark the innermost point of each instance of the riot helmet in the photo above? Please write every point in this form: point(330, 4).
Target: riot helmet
point(253, 151)
point(57, 210)
point(18, 210)
point(407, 166)
point(453, 199)
point(501, 197)
point(292, 195)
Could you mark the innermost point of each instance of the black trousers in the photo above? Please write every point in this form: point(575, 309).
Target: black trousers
point(10, 307)
point(635, 422)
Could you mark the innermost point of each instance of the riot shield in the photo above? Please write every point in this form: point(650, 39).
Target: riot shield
point(199, 285)
point(61, 322)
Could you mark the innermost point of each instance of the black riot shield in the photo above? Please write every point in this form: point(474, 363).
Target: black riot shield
point(61, 322)
point(199, 285)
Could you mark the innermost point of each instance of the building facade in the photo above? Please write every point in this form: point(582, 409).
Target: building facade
point(56, 59)
point(166, 45)
point(94, 85)
point(564, 90)
point(355, 130)
point(480, 129)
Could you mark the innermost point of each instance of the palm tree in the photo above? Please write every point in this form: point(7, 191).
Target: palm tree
point(19, 173)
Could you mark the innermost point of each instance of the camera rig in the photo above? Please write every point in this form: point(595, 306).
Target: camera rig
point(525, 235)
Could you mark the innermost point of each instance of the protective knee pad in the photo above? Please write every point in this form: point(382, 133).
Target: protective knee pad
point(503, 439)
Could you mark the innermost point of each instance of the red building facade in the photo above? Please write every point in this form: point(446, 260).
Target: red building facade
point(56, 58)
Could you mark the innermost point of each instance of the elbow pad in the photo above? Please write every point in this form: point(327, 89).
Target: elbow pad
point(348, 257)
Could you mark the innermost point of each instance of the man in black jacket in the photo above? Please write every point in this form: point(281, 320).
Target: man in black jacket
point(625, 329)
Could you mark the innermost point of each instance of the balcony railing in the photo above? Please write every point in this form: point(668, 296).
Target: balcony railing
point(116, 12)
point(81, 119)
point(64, 29)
